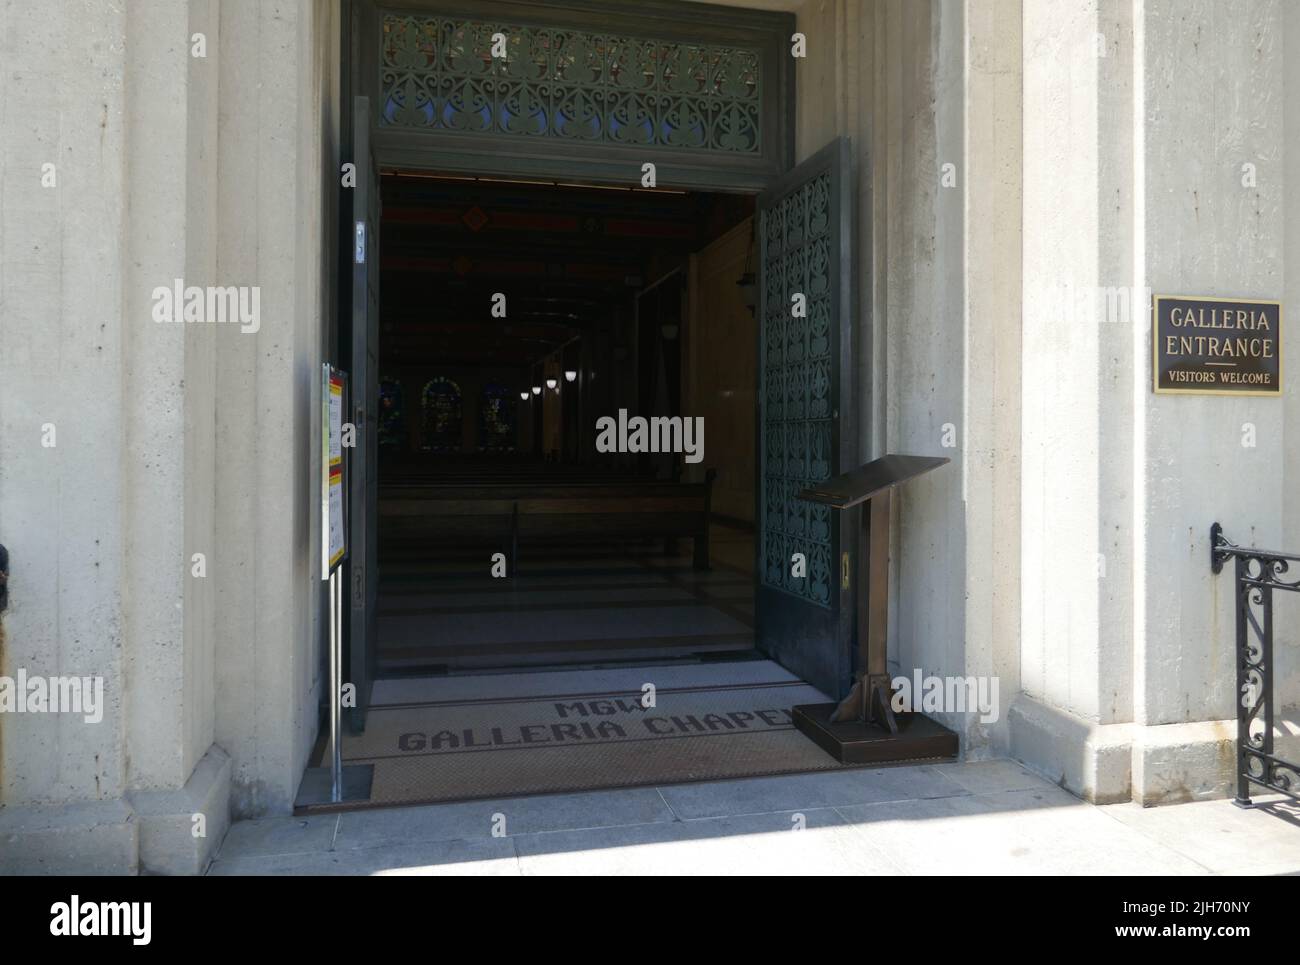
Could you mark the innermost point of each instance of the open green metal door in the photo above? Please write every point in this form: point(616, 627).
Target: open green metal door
point(807, 419)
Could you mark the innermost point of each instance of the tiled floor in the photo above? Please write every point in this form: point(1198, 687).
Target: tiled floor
point(566, 605)
point(978, 818)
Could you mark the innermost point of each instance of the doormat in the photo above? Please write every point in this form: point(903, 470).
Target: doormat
point(490, 747)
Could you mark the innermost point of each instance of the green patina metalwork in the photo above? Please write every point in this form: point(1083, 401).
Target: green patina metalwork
point(438, 73)
point(795, 386)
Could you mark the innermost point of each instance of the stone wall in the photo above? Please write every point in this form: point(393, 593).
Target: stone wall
point(175, 156)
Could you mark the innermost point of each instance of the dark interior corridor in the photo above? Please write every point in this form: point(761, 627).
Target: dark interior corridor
point(513, 316)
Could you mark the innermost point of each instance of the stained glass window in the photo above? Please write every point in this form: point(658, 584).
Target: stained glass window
point(441, 424)
point(496, 419)
point(392, 415)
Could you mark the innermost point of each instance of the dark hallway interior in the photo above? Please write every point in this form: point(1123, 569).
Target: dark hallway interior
point(513, 315)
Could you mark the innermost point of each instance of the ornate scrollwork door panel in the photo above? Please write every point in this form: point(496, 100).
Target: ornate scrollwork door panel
point(806, 418)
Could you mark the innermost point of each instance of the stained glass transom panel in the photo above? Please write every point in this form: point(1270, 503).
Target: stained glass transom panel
point(439, 74)
point(796, 391)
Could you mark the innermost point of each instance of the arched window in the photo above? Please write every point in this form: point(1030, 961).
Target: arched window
point(496, 419)
point(441, 425)
point(392, 415)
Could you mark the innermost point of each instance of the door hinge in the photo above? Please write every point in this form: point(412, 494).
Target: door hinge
point(361, 243)
point(844, 570)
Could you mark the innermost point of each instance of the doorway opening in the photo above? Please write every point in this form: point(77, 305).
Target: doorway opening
point(536, 605)
point(515, 315)
point(514, 533)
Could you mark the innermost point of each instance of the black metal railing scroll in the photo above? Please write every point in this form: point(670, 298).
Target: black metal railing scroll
point(1258, 574)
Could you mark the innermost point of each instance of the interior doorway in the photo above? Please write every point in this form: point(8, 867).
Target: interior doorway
point(515, 315)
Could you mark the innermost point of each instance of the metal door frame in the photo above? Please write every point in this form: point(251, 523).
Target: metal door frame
point(363, 503)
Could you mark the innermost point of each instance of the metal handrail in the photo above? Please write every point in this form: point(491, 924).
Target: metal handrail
point(1258, 573)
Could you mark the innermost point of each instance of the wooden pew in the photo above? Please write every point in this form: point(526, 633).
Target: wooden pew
point(529, 511)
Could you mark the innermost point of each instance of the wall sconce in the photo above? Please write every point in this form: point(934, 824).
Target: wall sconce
point(552, 383)
point(537, 390)
point(524, 395)
point(570, 375)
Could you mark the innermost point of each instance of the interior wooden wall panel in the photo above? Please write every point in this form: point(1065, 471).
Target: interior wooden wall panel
point(721, 347)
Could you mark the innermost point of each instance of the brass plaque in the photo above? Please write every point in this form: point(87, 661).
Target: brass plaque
point(1216, 346)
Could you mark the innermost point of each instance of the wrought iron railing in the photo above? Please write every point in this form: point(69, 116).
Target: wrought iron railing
point(1258, 574)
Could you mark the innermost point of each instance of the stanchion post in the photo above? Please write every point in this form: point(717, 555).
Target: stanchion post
point(336, 689)
point(322, 785)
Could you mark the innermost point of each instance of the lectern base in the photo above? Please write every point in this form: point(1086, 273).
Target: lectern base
point(918, 739)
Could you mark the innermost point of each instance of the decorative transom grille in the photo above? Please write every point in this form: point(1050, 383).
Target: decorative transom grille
point(438, 74)
point(797, 417)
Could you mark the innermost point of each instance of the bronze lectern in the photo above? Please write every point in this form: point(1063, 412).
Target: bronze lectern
point(863, 728)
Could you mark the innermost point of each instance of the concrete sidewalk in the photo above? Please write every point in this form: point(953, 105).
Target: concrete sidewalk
point(982, 818)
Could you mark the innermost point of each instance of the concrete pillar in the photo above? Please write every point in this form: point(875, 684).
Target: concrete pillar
point(62, 422)
point(1288, 693)
point(990, 179)
point(925, 180)
point(269, 601)
point(167, 504)
point(949, 130)
point(171, 439)
point(1138, 118)
point(1204, 227)
point(1077, 399)
point(115, 495)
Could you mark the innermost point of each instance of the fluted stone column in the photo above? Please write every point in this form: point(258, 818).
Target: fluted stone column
point(163, 543)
